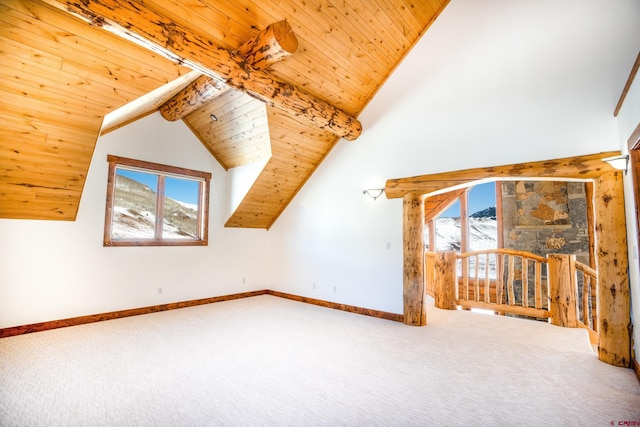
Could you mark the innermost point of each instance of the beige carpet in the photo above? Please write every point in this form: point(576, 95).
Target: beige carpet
point(270, 361)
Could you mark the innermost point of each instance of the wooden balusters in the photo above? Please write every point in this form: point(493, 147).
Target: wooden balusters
point(465, 278)
point(525, 282)
point(510, 279)
point(487, 280)
point(499, 293)
point(499, 278)
point(538, 285)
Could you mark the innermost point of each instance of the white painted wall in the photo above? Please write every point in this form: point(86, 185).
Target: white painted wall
point(492, 82)
point(54, 270)
point(240, 180)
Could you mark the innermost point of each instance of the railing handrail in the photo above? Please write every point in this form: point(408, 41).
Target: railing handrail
point(506, 252)
point(452, 284)
point(586, 269)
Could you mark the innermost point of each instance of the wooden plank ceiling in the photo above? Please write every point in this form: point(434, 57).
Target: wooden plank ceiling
point(61, 76)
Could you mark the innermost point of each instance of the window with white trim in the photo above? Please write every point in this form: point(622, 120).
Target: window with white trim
point(150, 204)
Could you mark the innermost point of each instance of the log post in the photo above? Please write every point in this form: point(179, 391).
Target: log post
point(614, 315)
point(269, 46)
point(445, 280)
point(563, 290)
point(415, 311)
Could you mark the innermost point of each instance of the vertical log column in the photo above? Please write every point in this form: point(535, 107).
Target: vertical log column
point(614, 318)
point(563, 290)
point(415, 311)
point(445, 280)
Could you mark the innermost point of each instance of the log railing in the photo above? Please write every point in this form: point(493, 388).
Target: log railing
point(586, 278)
point(503, 280)
point(515, 282)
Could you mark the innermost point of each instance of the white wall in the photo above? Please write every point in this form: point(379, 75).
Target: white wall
point(53, 270)
point(240, 180)
point(492, 82)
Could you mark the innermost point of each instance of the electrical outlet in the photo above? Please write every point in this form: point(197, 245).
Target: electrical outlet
point(335, 288)
point(314, 285)
point(388, 246)
point(159, 291)
point(244, 280)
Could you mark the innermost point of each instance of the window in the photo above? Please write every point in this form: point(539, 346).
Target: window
point(482, 223)
point(149, 204)
point(448, 236)
point(468, 223)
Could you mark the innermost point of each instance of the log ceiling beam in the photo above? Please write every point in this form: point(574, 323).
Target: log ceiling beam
point(274, 43)
point(578, 167)
point(191, 97)
point(271, 45)
point(136, 22)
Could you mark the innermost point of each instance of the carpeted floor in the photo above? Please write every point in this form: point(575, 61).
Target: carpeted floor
point(270, 361)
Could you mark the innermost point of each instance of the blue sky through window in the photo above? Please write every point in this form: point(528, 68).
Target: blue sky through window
point(183, 190)
point(481, 196)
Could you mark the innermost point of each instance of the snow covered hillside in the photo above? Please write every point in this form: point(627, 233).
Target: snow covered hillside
point(134, 213)
point(483, 233)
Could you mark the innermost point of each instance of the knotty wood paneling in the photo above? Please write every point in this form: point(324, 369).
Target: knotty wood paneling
point(285, 172)
point(241, 133)
point(346, 51)
point(435, 205)
point(58, 78)
point(61, 76)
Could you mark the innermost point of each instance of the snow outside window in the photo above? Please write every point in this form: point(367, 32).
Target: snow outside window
point(149, 204)
point(482, 227)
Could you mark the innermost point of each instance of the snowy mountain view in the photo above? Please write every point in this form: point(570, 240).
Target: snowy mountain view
point(483, 232)
point(134, 213)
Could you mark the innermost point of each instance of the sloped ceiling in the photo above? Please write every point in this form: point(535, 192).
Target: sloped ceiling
point(61, 76)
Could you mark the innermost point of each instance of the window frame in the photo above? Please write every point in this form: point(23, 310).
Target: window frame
point(162, 171)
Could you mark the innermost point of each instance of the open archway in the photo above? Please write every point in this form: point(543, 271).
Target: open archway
point(614, 340)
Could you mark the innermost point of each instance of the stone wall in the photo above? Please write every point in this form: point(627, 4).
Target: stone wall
point(546, 217)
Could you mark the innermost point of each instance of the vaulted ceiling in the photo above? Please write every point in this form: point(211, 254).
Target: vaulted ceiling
point(66, 65)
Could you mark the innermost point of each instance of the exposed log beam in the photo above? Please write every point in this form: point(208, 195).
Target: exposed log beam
point(195, 95)
point(138, 23)
point(578, 167)
point(274, 43)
